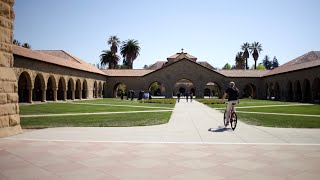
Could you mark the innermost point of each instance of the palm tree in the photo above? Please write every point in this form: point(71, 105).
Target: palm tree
point(255, 48)
point(114, 42)
point(240, 61)
point(130, 50)
point(245, 47)
point(107, 57)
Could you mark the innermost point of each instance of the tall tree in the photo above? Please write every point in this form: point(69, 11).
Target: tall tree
point(255, 48)
point(26, 45)
point(245, 47)
point(260, 67)
point(130, 50)
point(114, 41)
point(266, 62)
point(275, 63)
point(240, 61)
point(107, 57)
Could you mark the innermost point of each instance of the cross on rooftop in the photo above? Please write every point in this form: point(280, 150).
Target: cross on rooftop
point(182, 50)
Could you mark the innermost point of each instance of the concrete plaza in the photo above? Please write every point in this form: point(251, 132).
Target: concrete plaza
point(192, 145)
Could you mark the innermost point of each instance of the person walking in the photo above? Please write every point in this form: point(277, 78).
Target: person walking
point(191, 96)
point(178, 95)
point(187, 96)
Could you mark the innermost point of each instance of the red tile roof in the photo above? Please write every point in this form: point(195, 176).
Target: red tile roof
point(242, 73)
point(127, 72)
point(310, 59)
point(57, 57)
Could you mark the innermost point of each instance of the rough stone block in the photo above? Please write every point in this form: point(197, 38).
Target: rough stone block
point(6, 47)
point(6, 23)
point(14, 120)
point(8, 109)
point(6, 87)
point(4, 121)
point(7, 74)
point(12, 97)
point(3, 98)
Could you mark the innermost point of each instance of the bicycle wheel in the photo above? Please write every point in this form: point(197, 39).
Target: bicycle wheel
point(224, 118)
point(234, 120)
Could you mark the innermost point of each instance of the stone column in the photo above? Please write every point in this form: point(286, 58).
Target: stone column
point(9, 107)
point(80, 94)
point(30, 94)
point(73, 94)
point(44, 95)
point(55, 94)
point(65, 95)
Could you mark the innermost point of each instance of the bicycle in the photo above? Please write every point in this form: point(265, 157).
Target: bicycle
point(232, 118)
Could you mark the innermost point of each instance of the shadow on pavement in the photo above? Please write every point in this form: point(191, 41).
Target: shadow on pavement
point(219, 129)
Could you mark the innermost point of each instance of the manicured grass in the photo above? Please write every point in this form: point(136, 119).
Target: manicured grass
point(60, 108)
point(111, 120)
point(160, 101)
point(272, 120)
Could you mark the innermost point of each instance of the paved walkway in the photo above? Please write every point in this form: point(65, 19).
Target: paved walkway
point(182, 149)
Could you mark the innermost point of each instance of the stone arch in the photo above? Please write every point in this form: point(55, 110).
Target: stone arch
point(100, 90)
point(39, 93)
point(316, 90)
point(289, 91)
point(95, 89)
point(250, 91)
point(297, 91)
point(156, 88)
point(70, 90)
point(212, 89)
point(84, 89)
point(271, 91)
point(62, 89)
point(24, 87)
point(78, 93)
point(51, 88)
point(119, 88)
point(267, 95)
point(306, 89)
point(183, 84)
point(276, 91)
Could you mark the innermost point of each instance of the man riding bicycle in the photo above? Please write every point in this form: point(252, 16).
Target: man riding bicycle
point(233, 95)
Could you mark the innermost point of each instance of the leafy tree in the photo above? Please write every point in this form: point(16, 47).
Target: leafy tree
point(107, 57)
point(245, 47)
point(26, 45)
point(130, 50)
point(240, 61)
point(121, 89)
point(260, 67)
point(16, 42)
point(154, 87)
point(145, 66)
point(275, 63)
point(255, 48)
point(227, 66)
point(266, 62)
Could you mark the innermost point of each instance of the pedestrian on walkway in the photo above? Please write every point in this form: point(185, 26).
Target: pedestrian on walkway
point(191, 96)
point(187, 96)
point(178, 95)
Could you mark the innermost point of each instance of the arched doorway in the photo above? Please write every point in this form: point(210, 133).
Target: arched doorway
point(212, 90)
point(84, 89)
point(297, 91)
point(95, 89)
point(104, 89)
point(306, 91)
point(70, 91)
point(51, 86)
point(316, 90)
point(267, 91)
point(78, 89)
point(157, 89)
point(37, 94)
point(183, 86)
point(276, 91)
point(61, 89)
point(249, 91)
point(119, 89)
point(289, 92)
point(24, 85)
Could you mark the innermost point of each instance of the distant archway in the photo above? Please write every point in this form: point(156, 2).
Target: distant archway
point(38, 88)
point(250, 91)
point(316, 89)
point(70, 90)
point(297, 91)
point(307, 96)
point(119, 89)
point(84, 89)
point(183, 86)
point(61, 89)
point(212, 89)
point(24, 85)
point(276, 91)
point(51, 85)
point(157, 89)
point(289, 92)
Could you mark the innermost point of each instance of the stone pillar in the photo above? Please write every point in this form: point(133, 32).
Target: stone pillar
point(55, 94)
point(9, 107)
point(30, 94)
point(44, 95)
point(80, 94)
point(73, 94)
point(65, 95)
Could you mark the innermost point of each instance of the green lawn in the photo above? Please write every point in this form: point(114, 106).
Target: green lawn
point(110, 120)
point(272, 120)
point(159, 102)
point(91, 106)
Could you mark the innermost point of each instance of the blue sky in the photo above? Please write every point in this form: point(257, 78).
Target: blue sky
point(211, 30)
